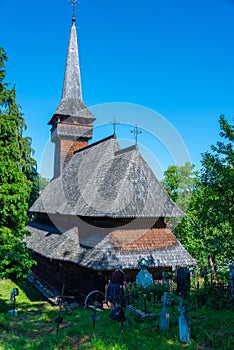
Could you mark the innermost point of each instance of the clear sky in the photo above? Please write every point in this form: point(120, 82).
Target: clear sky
point(172, 57)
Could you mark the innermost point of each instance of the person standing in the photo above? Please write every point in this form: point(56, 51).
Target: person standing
point(114, 289)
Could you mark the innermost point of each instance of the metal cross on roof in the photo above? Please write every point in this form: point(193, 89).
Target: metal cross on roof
point(114, 123)
point(136, 132)
point(74, 3)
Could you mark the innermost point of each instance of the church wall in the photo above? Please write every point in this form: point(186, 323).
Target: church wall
point(78, 279)
point(47, 270)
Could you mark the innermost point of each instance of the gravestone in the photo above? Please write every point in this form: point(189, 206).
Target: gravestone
point(164, 317)
point(144, 278)
point(184, 326)
point(183, 281)
point(14, 294)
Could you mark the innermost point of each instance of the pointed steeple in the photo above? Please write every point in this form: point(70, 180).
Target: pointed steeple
point(71, 104)
point(72, 81)
point(72, 121)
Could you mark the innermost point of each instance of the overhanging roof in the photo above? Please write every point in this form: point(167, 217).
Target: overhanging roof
point(127, 247)
point(103, 180)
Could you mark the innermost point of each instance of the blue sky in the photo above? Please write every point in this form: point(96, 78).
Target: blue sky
point(172, 57)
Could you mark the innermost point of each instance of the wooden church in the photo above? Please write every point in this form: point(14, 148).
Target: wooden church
point(103, 207)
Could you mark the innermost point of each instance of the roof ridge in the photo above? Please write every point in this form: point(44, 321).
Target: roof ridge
point(125, 150)
point(95, 143)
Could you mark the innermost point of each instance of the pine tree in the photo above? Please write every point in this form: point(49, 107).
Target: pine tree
point(16, 168)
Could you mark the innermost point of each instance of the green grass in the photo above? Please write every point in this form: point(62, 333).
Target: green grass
point(35, 327)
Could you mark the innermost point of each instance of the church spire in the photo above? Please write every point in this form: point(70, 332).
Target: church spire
point(72, 81)
point(72, 121)
point(71, 104)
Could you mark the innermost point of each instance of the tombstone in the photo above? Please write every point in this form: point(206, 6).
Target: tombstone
point(164, 317)
point(184, 326)
point(144, 277)
point(13, 295)
point(183, 281)
point(231, 282)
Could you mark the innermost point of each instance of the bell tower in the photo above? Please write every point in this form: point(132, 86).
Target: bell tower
point(72, 122)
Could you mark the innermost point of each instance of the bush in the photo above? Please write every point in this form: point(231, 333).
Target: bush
point(210, 296)
point(153, 293)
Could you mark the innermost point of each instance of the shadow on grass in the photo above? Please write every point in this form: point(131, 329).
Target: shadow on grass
point(4, 305)
point(30, 291)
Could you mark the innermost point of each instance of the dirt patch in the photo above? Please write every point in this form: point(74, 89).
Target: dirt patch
point(76, 342)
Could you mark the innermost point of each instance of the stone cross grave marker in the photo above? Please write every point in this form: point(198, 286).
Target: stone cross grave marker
point(184, 326)
point(164, 317)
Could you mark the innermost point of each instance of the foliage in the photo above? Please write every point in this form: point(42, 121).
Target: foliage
point(35, 187)
point(208, 227)
point(180, 181)
point(35, 327)
point(190, 231)
point(43, 182)
point(38, 184)
point(217, 179)
point(210, 296)
point(16, 168)
point(152, 293)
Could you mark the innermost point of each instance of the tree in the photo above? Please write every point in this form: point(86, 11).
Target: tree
point(16, 167)
point(191, 230)
point(180, 182)
point(43, 182)
point(183, 185)
point(39, 183)
point(208, 227)
point(217, 178)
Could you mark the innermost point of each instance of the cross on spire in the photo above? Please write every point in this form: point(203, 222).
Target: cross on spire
point(136, 132)
point(114, 123)
point(74, 3)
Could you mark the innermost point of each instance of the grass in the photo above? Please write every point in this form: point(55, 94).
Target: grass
point(35, 327)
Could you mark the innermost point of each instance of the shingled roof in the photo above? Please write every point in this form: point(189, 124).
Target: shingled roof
point(102, 180)
point(127, 247)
